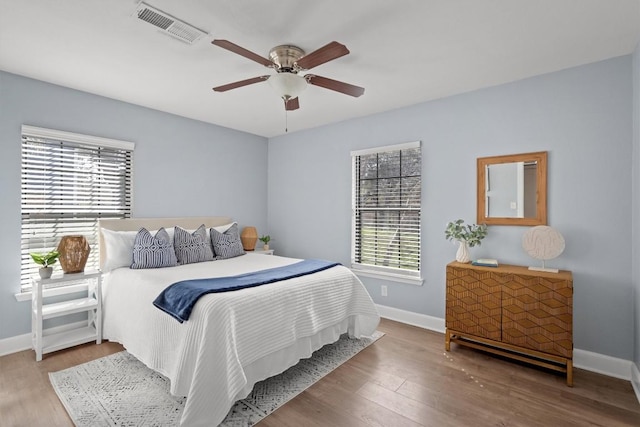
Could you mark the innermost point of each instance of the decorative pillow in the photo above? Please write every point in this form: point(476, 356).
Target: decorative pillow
point(118, 248)
point(192, 247)
point(227, 244)
point(153, 251)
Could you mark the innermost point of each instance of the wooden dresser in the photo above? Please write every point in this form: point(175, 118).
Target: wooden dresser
point(514, 312)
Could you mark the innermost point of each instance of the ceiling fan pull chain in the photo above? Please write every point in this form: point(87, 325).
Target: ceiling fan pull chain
point(286, 121)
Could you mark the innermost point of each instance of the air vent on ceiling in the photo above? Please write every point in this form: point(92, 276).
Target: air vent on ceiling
point(168, 24)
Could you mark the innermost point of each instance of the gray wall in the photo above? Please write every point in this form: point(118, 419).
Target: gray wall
point(636, 201)
point(182, 167)
point(581, 116)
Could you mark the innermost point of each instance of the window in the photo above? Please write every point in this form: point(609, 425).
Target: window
point(387, 189)
point(69, 181)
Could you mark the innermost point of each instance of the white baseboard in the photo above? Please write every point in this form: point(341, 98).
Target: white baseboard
point(411, 318)
point(23, 342)
point(15, 344)
point(602, 364)
point(594, 362)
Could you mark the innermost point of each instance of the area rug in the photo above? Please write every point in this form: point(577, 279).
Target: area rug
point(119, 390)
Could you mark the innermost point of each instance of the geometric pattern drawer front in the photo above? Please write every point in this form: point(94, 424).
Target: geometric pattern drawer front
point(473, 303)
point(537, 313)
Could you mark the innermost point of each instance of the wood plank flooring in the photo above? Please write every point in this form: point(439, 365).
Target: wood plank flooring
point(404, 379)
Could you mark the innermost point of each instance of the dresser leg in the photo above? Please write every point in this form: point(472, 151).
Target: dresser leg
point(570, 373)
point(447, 340)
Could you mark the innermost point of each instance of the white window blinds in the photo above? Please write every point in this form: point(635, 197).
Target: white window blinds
point(68, 182)
point(387, 188)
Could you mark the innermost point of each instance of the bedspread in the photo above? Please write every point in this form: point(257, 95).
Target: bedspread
point(212, 358)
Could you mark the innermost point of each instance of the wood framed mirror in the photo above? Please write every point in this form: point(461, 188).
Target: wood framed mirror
point(512, 189)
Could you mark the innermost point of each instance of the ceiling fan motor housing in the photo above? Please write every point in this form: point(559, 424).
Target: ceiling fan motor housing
point(285, 58)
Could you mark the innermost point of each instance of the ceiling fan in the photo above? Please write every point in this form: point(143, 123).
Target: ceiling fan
point(288, 61)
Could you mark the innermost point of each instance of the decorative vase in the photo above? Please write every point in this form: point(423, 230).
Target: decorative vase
point(45, 272)
point(265, 247)
point(462, 255)
point(74, 252)
point(249, 237)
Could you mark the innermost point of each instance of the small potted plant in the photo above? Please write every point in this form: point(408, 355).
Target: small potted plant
point(46, 260)
point(469, 235)
point(265, 239)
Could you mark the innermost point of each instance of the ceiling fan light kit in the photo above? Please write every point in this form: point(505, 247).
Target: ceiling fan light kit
point(288, 61)
point(287, 85)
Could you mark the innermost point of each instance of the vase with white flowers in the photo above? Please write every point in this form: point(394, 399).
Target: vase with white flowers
point(468, 235)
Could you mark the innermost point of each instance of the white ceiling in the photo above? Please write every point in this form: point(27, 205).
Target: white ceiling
point(403, 52)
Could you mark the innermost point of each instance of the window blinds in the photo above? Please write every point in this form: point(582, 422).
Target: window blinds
point(386, 201)
point(68, 182)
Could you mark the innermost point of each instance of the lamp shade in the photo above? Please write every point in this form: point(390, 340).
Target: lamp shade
point(249, 237)
point(287, 85)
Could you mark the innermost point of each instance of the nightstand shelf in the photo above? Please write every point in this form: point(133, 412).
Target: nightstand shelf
point(68, 307)
point(61, 340)
point(44, 342)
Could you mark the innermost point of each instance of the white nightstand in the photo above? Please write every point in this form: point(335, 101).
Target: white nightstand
point(40, 311)
point(263, 252)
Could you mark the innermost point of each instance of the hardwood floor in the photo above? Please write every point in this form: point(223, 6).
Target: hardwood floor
point(404, 379)
point(26, 395)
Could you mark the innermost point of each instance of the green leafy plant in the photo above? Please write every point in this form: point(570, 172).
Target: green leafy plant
point(265, 239)
point(45, 259)
point(470, 233)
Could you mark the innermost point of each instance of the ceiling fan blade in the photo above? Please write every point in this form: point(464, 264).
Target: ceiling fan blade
point(226, 44)
point(325, 54)
point(292, 104)
point(336, 85)
point(240, 83)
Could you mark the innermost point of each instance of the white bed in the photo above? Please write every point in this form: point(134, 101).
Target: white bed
point(234, 339)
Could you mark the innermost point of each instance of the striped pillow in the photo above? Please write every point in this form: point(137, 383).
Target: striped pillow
point(192, 247)
point(227, 244)
point(153, 251)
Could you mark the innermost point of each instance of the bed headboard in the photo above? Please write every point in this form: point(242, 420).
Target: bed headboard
point(134, 224)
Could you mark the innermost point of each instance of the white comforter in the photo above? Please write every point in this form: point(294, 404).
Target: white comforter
point(232, 339)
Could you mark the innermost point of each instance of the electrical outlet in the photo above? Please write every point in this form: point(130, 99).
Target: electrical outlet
point(383, 290)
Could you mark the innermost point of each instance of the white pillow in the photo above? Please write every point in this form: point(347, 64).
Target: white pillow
point(222, 228)
point(118, 248)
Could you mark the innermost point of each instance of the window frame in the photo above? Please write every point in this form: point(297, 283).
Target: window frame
point(101, 151)
point(376, 271)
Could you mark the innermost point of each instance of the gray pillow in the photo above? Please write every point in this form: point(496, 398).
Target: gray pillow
point(192, 247)
point(153, 251)
point(227, 244)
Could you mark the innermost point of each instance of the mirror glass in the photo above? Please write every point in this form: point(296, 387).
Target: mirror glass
point(512, 190)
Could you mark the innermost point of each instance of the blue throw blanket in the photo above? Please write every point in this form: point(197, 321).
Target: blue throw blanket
point(178, 299)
